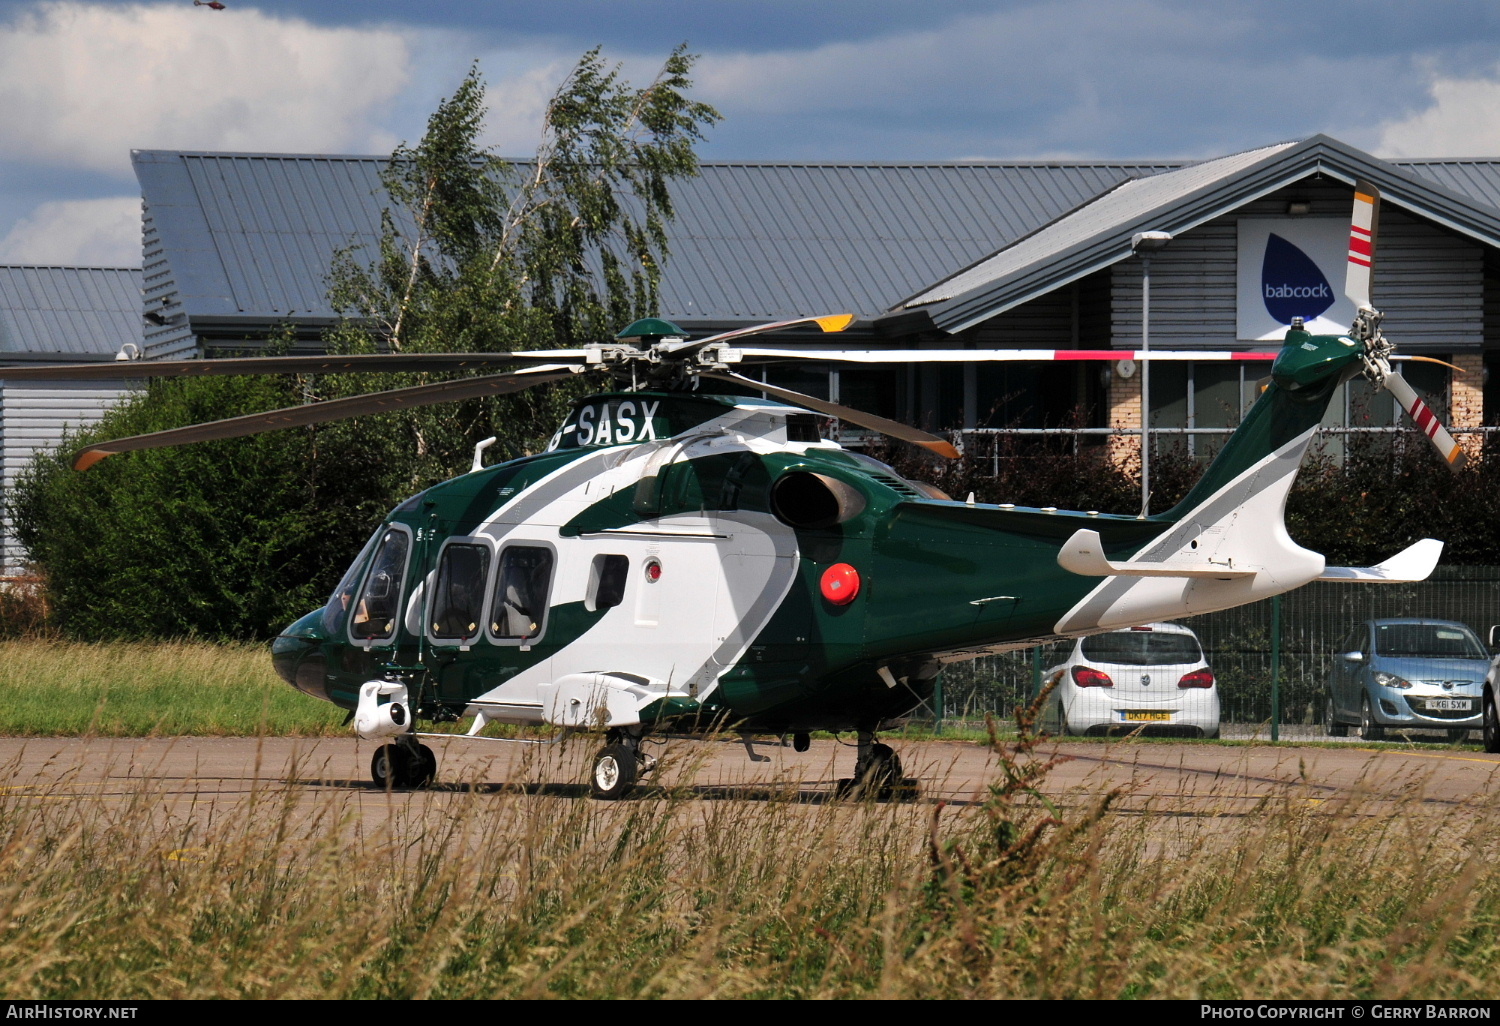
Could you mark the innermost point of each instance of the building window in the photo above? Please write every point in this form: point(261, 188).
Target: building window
point(1195, 406)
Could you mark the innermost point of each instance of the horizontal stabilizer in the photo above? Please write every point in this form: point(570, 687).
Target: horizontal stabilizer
point(1413, 563)
point(1083, 554)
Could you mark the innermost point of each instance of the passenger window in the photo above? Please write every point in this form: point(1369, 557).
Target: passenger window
point(606, 582)
point(521, 592)
point(379, 604)
point(458, 603)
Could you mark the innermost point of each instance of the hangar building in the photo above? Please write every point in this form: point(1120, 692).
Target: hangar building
point(973, 254)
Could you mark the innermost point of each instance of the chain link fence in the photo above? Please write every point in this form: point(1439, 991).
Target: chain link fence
point(1243, 645)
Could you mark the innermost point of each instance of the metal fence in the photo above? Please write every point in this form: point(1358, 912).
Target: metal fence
point(1298, 635)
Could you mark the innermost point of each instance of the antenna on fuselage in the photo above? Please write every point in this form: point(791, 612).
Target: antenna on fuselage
point(478, 463)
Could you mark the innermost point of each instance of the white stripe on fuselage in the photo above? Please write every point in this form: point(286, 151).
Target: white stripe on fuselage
point(723, 574)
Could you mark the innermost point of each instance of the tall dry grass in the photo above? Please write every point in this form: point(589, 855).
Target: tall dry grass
point(290, 891)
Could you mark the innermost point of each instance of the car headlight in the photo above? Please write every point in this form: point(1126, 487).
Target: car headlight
point(1390, 680)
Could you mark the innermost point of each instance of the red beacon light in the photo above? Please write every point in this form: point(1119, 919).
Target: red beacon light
point(840, 584)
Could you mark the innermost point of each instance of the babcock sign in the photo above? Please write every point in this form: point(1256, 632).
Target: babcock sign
point(1292, 267)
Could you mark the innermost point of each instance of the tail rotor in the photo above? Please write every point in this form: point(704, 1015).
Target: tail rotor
point(1376, 349)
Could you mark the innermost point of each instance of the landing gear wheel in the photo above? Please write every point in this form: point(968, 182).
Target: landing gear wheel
point(877, 774)
point(1331, 726)
point(388, 767)
point(614, 772)
point(1491, 723)
point(399, 766)
point(1369, 730)
point(422, 766)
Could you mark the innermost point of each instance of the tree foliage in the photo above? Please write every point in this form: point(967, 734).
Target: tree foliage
point(476, 253)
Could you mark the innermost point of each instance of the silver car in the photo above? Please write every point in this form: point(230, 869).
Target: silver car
point(1406, 672)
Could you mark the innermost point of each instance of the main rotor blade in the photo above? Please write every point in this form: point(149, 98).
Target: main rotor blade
point(1426, 421)
point(333, 409)
point(1364, 226)
point(989, 355)
point(356, 364)
point(865, 420)
point(828, 322)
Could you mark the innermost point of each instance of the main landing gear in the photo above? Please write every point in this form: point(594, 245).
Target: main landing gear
point(877, 773)
point(402, 764)
point(619, 764)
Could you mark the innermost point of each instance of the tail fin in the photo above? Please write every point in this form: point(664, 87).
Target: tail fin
point(1305, 376)
point(1226, 543)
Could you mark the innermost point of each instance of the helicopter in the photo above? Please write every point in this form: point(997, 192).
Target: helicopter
point(678, 562)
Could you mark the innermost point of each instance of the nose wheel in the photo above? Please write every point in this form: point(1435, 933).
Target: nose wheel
point(403, 764)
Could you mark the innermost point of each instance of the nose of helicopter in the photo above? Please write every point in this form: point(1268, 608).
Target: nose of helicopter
point(297, 654)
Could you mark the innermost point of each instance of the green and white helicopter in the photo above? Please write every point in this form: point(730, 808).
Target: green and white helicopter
point(679, 562)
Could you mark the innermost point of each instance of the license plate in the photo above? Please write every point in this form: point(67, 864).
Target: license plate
point(1450, 704)
point(1145, 715)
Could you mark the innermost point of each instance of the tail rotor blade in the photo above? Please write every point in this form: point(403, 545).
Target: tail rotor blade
point(1363, 228)
point(1426, 421)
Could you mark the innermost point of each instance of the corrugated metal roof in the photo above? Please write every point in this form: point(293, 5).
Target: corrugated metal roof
point(72, 311)
point(1478, 179)
point(249, 237)
point(1123, 206)
point(252, 235)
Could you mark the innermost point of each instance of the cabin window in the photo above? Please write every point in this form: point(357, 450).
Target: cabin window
point(520, 609)
point(607, 582)
point(336, 611)
point(458, 601)
point(379, 604)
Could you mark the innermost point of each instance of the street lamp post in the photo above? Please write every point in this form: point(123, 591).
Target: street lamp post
point(1143, 244)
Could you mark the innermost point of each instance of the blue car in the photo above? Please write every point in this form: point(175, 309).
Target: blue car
point(1407, 673)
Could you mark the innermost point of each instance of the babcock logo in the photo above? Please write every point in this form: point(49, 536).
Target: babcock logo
point(1291, 283)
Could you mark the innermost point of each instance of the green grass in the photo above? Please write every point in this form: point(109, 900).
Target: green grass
point(122, 689)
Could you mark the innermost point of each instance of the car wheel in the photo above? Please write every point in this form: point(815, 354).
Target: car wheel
point(1457, 734)
point(1369, 730)
point(1491, 723)
point(1331, 726)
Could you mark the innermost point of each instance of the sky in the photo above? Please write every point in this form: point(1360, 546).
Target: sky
point(83, 83)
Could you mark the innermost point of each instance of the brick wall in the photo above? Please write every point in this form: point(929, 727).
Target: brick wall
point(1466, 402)
point(1125, 412)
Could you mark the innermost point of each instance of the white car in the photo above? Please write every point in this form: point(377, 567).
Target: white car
point(1152, 677)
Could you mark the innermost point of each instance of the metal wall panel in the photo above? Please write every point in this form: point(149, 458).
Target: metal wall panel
point(34, 417)
point(1428, 281)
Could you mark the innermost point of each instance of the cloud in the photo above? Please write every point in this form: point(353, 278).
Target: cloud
point(517, 101)
point(83, 84)
point(1463, 120)
point(1111, 78)
point(88, 233)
